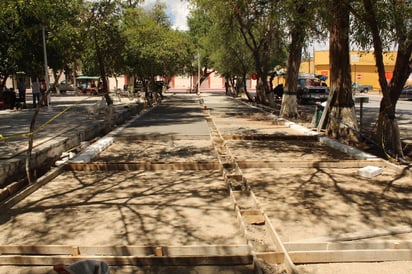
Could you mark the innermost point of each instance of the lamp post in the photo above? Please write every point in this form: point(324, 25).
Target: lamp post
point(46, 69)
point(198, 73)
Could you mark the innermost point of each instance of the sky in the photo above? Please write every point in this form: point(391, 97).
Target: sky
point(177, 10)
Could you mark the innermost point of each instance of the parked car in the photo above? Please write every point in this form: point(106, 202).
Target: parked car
point(312, 87)
point(64, 86)
point(406, 92)
point(358, 88)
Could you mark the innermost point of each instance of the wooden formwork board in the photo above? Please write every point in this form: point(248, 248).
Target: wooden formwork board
point(253, 218)
point(126, 250)
point(272, 137)
point(351, 245)
point(126, 255)
point(128, 260)
point(20, 194)
point(339, 256)
point(107, 166)
point(291, 163)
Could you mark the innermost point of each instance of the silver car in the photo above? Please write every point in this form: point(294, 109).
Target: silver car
point(406, 92)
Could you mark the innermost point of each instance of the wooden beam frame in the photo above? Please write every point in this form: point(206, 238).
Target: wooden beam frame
point(126, 255)
point(130, 166)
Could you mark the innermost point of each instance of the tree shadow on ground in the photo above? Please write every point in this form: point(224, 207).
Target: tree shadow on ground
point(329, 202)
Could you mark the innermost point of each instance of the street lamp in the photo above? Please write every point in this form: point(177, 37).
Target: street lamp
point(46, 69)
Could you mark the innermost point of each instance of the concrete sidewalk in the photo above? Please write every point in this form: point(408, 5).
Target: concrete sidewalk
point(69, 121)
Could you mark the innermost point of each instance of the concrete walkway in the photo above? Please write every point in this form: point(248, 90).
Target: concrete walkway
point(69, 121)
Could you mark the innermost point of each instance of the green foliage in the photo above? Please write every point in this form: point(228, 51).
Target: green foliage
point(153, 47)
point(239, 36)
point(394, 23)
point(21, 24)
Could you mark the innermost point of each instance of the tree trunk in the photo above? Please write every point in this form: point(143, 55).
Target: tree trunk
point(260, 89)
point(342, 123)
point(31, 175)
point(242, 87)
point(388, 134)
point(289, 106)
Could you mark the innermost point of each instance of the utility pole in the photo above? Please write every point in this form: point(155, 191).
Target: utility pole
point(198, 72)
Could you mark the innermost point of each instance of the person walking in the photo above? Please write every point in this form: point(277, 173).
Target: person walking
point(21, 86)
point(36, 92)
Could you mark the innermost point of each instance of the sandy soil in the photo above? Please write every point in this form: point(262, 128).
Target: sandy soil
point(309, 203)
point(125, 208)
point(193, 208)
point(157, 150)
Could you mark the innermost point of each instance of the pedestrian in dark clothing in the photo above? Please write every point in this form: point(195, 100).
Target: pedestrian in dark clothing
point(21, 86)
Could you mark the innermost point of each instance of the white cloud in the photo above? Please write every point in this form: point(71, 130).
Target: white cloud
point(177, 10)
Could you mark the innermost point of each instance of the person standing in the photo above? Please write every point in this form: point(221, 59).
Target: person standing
point(36, 92)
point(21, 86)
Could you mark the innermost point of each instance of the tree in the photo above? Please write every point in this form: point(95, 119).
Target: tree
point(231, 58)
point(200, 22)
point(221, 47)
point(387, 23)
point(153, 48)
point(105, 43)
point(9, 39)
point(298, 36)
point(257, 22)
point(304, 23)
point(21, 47)
point(342, 107)
point(64, 41)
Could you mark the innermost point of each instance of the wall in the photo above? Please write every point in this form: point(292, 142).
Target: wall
point(363, 69)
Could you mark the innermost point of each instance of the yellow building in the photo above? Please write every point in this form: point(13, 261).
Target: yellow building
point(363, 67)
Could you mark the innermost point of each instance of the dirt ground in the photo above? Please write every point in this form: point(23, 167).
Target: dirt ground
point(125, 208)
point(158, 150)
point(314, 204)
point(183, 207)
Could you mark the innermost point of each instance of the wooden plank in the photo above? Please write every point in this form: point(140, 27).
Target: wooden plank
point(367, 234)
point(36, 249)
point(194, 250)
point(287, 259)
point(326, 110)
point(271, 137)
point(253, 217)
point(208, 250)
point(309, 164)
point(140, 251)
point(339, 256)
point(271, 257)
point(349, 245)
point(129, 260)
point(130, 166)
point(13, 200)
point(166, 250)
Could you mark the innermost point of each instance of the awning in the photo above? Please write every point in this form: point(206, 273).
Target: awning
point(88, 78)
